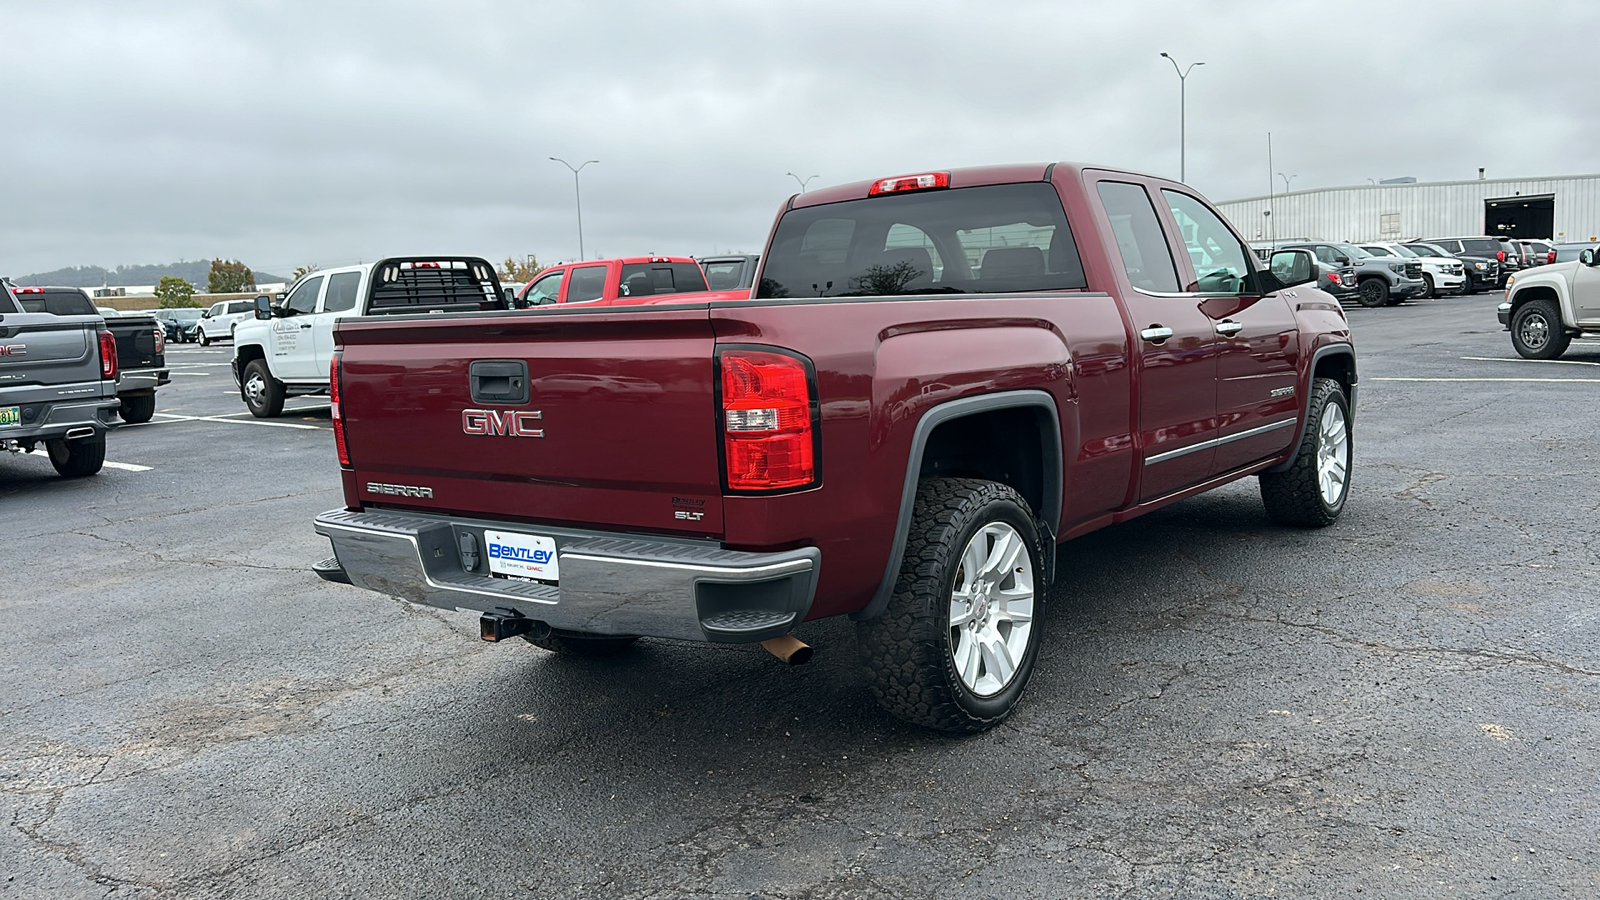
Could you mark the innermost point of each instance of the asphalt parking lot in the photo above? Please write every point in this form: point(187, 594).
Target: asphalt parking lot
point(1402, 705)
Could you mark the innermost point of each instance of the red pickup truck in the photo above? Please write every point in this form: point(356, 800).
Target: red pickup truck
point(936, 379)
point(627, 281)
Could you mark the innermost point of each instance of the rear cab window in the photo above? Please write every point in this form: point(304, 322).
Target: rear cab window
point(985, 239)
point(724, 276)
point(647, 279)
point(57, 303)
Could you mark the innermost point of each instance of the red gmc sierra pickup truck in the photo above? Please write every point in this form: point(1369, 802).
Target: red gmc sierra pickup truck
point(936, 379)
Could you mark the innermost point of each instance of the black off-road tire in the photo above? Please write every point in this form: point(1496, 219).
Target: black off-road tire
point(268, 404)
point(137, 410)
point(1294, 496)
point(75, 459)
point(906, 651)
point(1431, 292)
point(1372, 292)
point(577, 643)
point(1556, 338)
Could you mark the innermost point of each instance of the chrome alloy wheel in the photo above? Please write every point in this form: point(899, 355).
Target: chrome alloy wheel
point(1534, 330)
point(991, 609)
point(255, 389)
point(1333, 454)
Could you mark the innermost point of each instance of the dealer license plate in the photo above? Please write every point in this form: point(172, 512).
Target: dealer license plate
point(10, 416)
point(522, 555)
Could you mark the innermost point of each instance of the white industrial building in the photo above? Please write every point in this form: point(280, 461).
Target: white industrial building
point(1560, 209)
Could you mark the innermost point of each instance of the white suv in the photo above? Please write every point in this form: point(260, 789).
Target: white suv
point(1444, 275)
point(219, 321)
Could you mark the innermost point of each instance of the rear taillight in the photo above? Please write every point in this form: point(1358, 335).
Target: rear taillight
point(1550, 258)
point(1500, 255)
point(338, 418)
point(1333, 277)
point(108, 356)
point(768, 421)
point(161, 340)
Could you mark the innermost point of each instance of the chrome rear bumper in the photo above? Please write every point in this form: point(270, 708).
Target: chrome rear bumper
point(610, 583)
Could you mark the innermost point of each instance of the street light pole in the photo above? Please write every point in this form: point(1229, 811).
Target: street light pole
point(802, 183)
point(1183, 114)
point(1286, 180)
point(578, 193)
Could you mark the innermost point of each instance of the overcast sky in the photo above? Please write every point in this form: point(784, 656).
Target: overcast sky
point(290, 133)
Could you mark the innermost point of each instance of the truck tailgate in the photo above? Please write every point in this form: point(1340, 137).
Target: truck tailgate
point(44, 349)
point(617, 431)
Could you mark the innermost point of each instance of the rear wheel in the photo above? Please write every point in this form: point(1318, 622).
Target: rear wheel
point(137, 410)
point(1537, 332)
point(262, 393)
point(955, 646)
point(1372, 292)
point(578, 643)
point(1311, 492)
point(75, 459)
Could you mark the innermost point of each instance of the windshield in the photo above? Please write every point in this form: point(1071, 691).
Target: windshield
point(1482, 246)
point(185, 315)
point(996, 238)
point(1352, 251)
point(1403, 250)
point(1429, 250)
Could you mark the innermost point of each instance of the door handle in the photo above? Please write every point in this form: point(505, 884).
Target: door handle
point(1229, 328)
point(1155, 334)
point(307, 325)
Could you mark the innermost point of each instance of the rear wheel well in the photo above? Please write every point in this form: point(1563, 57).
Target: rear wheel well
point(1003, 445)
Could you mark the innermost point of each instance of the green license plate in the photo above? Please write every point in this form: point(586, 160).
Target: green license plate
point(10, 416)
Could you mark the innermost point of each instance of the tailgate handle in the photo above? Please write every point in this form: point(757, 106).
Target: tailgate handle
point(499, 381)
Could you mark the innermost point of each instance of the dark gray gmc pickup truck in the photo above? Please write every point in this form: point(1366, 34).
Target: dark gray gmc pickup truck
point(58, 386)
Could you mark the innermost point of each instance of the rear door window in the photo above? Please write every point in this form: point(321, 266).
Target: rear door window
point(988, 239)
point(1146, 258)
point(586, 283)
point(341, 292)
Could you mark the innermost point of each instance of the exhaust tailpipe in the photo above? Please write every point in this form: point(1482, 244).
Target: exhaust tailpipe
point(789, 649)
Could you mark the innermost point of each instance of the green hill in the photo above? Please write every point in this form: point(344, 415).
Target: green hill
point(123, 276)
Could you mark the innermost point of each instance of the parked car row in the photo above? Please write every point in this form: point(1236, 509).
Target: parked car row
point(1391, 272)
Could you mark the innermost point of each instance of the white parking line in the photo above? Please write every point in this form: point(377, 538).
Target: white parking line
point(1518, 359)
point(233, 421)
point(126, 467)
point(1476, 380)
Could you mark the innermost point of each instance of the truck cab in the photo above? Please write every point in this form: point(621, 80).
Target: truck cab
point(285, 349)
point(627, 281)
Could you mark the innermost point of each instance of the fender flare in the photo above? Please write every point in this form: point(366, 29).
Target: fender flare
point(1321, 353)
point(1562, 291)
point(961, 408)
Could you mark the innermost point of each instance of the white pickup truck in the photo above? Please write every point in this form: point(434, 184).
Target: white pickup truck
point(1547, 306)
point(285, 351)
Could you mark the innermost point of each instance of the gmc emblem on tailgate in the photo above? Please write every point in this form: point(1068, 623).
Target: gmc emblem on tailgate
point(13, 349)
point(502, 423)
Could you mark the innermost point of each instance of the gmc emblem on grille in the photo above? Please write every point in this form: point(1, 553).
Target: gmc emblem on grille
point(502, 423)
point(13, 349)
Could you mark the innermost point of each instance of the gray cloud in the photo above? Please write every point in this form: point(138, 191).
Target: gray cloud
point(285, 133)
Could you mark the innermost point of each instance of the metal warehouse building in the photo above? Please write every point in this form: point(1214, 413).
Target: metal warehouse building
point(1560, 209)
